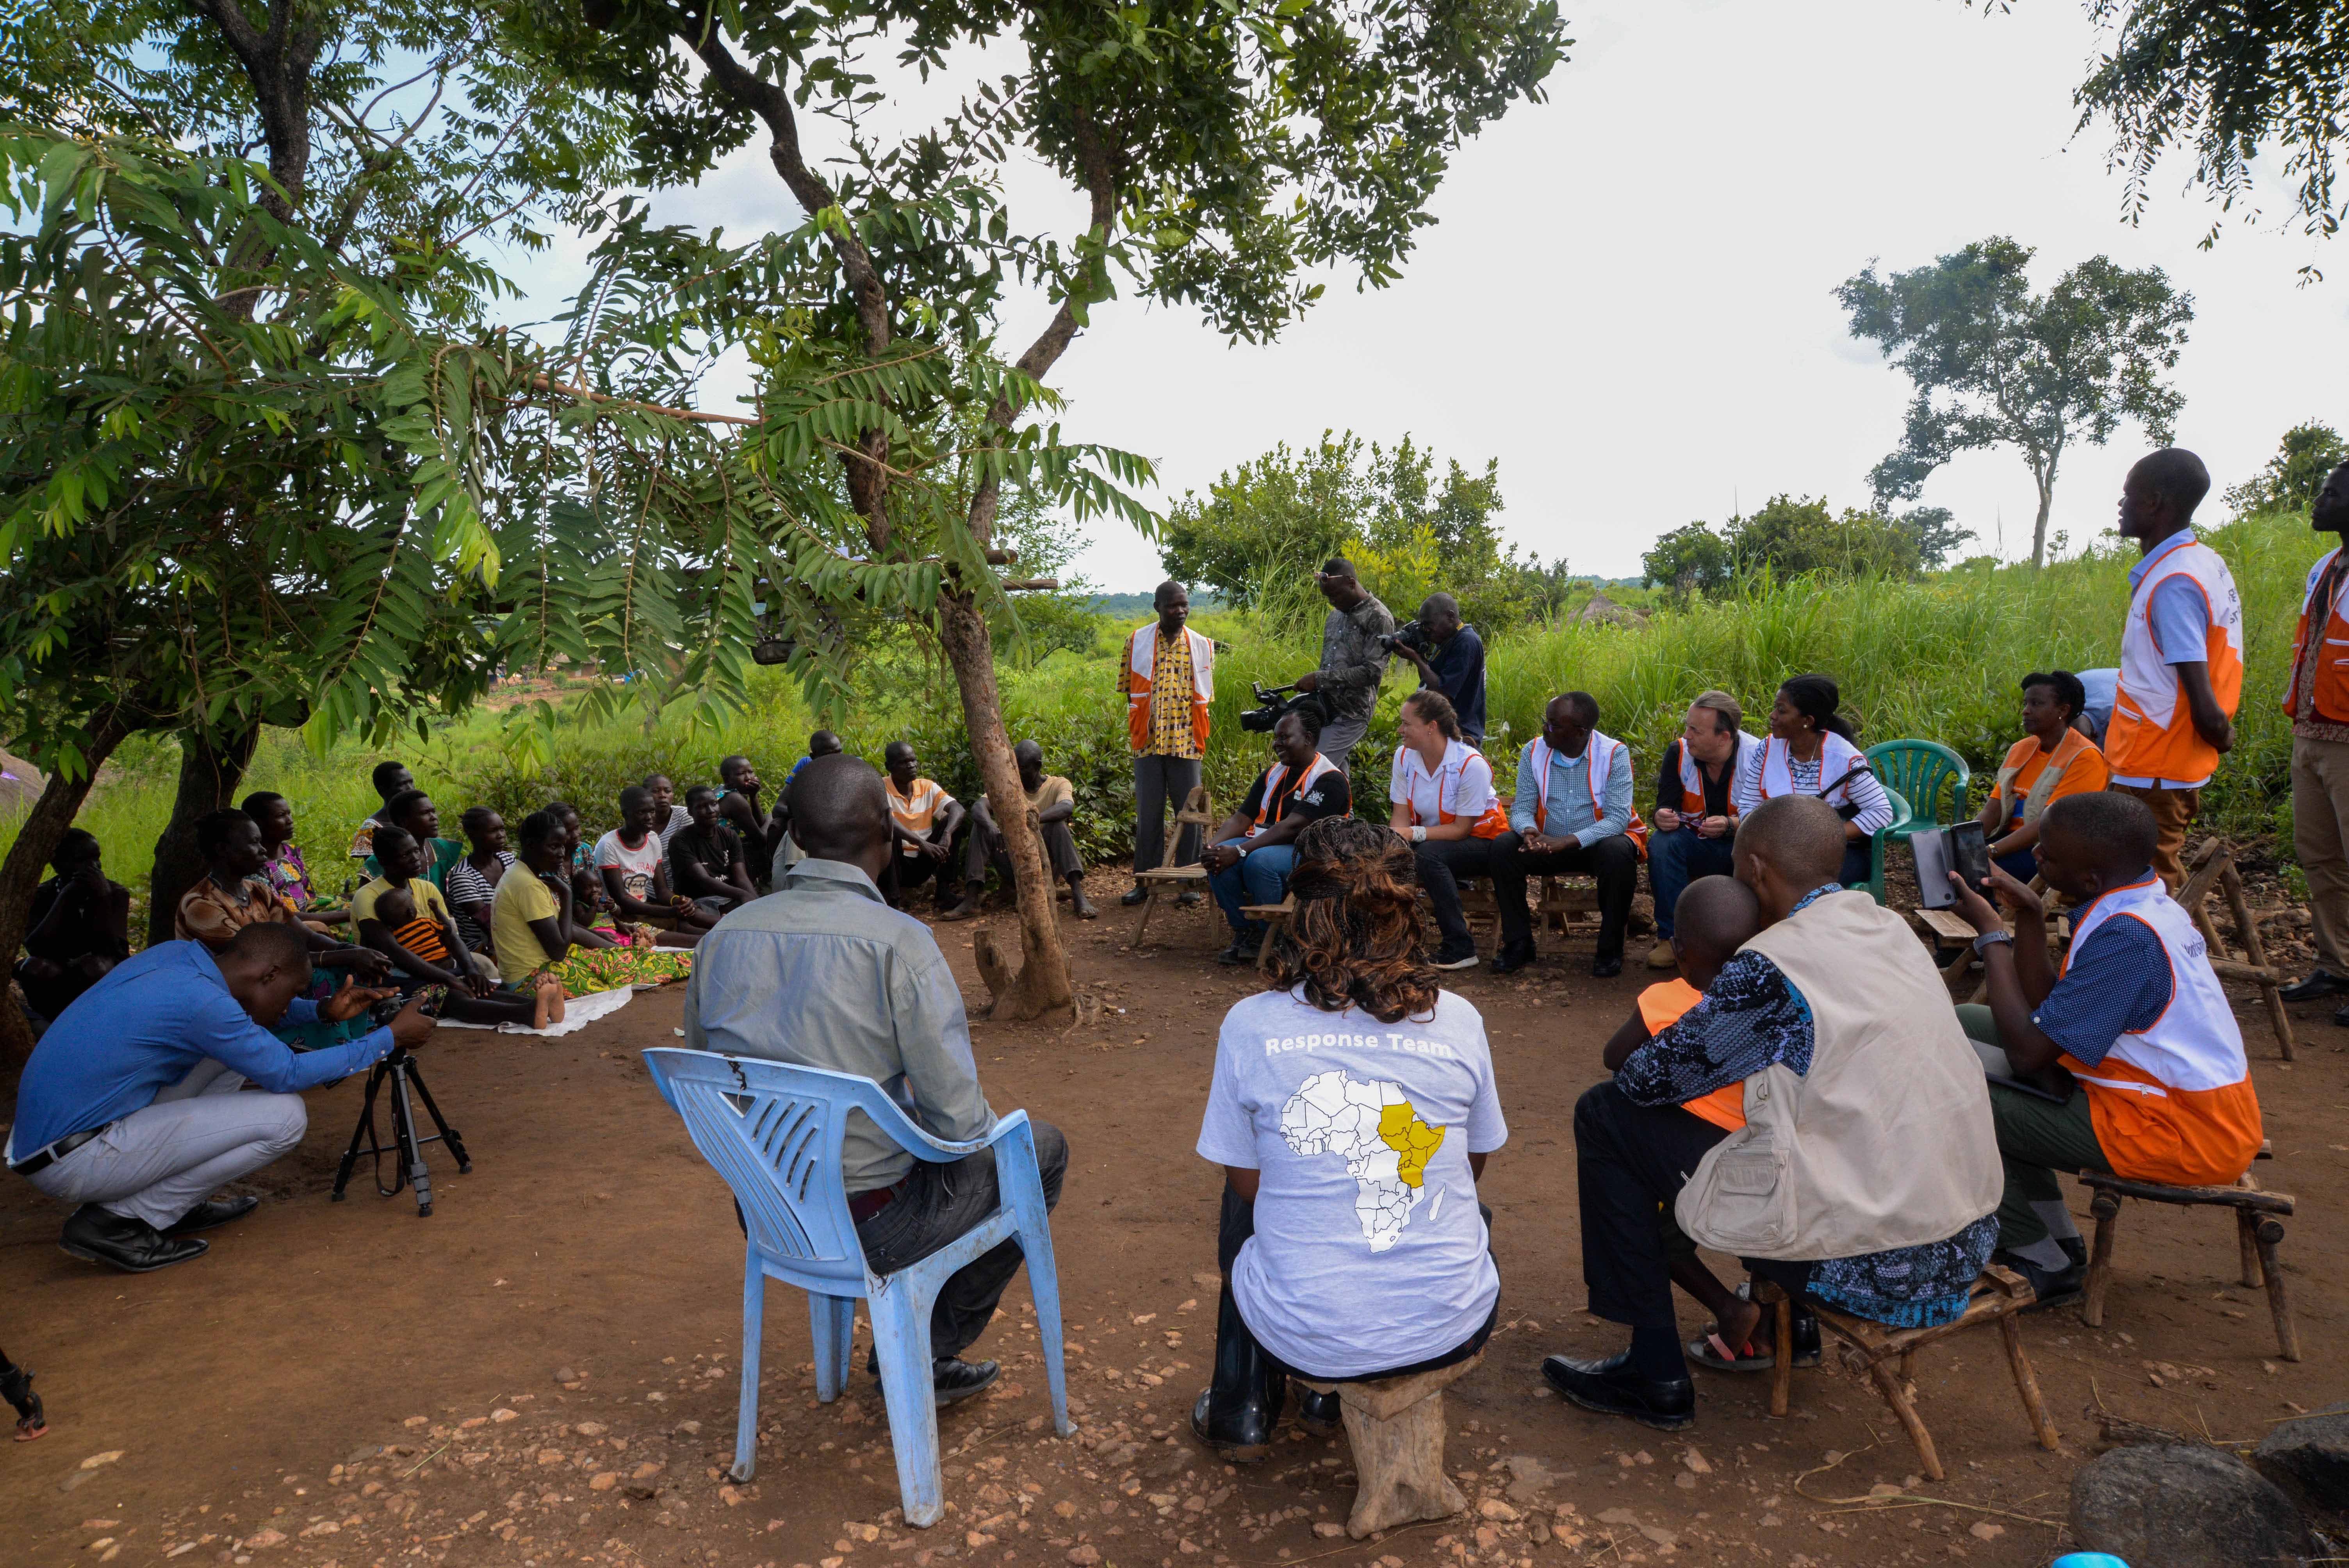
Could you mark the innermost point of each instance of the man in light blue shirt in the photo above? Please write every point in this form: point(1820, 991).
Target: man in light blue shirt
point(128, 1106)
point(1571, 816)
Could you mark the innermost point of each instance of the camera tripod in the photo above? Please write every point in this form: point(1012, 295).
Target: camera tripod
point(400, 1069)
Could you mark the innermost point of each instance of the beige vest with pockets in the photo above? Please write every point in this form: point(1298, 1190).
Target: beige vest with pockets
point(1886, 1141)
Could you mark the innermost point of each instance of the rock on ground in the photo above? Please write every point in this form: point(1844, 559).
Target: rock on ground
point(2310, 1456)
point(2181, 1505)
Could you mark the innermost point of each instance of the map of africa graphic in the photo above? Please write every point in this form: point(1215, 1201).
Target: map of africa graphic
point(1378, 1133)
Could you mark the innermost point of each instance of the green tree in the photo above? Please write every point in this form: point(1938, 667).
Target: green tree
point(2228, 84)
point(1280, 514)
point(1996, 365)
point(2309, 453)
point(1224, 155)
point(1789, 536)
point(1691, 559)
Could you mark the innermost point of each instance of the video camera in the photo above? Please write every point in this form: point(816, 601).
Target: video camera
point(1410, 635)
point(1273, 702)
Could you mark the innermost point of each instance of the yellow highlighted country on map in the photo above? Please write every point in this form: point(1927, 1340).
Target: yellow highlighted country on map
point(1402, 1130)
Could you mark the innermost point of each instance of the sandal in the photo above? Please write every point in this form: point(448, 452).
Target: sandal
point(1714, 1351)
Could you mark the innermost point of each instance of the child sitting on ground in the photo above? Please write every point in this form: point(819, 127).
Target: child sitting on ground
point(1715, 916)
point(404, 916)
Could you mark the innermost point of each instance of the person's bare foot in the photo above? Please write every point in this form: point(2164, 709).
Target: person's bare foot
point(548, 1007)
point(1738, 1321)
point(1080, 905)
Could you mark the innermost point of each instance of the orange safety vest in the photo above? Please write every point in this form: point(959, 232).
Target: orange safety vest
point(1140, 659)
point(1693, 780)
point(1660, 1008)
point(2172, 1102)
point(2331, 676)
point(2152, 734)
point(1601, 751)
point(1457, 756)
point(1267, 809)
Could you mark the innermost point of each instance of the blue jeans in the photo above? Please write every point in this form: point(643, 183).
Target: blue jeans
point(1262, 876)
point(2021, 865)
point(1677, 859)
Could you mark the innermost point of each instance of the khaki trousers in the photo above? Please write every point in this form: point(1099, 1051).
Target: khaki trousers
point(2172, 811)
point(2320, 836)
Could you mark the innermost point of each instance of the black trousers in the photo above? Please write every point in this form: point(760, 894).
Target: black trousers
point(1061, 856)
point(905, 872)
point(1628, 1161)
point(1614, 862)
point(1237, 1224)
point(1441, 863)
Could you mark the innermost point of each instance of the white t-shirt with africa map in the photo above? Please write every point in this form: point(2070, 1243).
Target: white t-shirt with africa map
point(1369, 1251)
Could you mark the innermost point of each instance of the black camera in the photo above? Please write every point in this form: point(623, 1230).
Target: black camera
point(1410, 635)
point(1272, 702)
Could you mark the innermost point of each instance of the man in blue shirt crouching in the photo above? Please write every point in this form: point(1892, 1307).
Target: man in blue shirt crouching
point(129, 1108)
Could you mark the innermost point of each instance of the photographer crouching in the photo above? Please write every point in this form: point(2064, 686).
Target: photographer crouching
point(1450, 657)
point(129, 1108)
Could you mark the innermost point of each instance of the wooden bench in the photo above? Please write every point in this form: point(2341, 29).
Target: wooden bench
point(1275, 919)
point(1395, 1427)
point(1867, 1348)
point(2257, 1233)
point(1197, 812)
point(1571, 909)
point(2213, 869)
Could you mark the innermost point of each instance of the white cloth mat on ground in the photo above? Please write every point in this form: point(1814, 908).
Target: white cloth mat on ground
point(577, 1014)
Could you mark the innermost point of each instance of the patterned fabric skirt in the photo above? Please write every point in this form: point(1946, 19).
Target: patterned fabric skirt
point(590, 969)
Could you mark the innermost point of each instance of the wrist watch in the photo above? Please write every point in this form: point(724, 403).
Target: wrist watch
point(1988, 939)
point(1418, 834)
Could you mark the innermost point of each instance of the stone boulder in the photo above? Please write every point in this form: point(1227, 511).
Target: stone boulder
point(2310, 1456)
point(21, 784)
point(2182, 1505)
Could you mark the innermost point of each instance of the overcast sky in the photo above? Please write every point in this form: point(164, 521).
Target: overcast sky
point(1628, 296)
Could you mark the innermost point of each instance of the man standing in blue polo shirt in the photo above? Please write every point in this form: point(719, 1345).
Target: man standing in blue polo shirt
point(127, 1108)
point(1451, 658)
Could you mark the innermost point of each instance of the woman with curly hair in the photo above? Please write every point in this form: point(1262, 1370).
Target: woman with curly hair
point(1351, 1110)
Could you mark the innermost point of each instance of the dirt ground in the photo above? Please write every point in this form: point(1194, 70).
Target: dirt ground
point(544, 1371)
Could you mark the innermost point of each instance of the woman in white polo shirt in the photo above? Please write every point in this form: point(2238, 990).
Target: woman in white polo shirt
point(1442, 789)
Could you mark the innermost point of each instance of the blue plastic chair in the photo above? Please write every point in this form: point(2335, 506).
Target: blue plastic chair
point(773, 1130)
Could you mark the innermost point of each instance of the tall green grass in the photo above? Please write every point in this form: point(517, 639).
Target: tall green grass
point(1939, 657)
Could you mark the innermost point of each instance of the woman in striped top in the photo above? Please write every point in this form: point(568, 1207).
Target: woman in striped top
point(1813, 749)
point(473, 881)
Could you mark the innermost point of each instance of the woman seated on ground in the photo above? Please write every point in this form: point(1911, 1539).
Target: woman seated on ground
point(231, 895)
point(473, 881)
point(706, 857)
point(405, 918)
point(1351, 1110)
point(284, 869)
point(78, 929)
point(1813, 749)
point(538, 932)
point(1445, 804)
point(2051, 761)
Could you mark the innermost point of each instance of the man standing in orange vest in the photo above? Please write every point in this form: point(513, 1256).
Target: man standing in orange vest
point(2181, 653)
point(1167, 679)
point(2318, 703)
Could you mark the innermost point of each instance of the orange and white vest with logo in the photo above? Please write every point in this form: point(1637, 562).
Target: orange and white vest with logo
point(1692, 779)
point(1463, 767)
point(2172, 1102)
point(1604, 752)
point(1837, 757)
point(2330, 675)
point(1140, 659)
point(2152, 734)
point(1267, 813)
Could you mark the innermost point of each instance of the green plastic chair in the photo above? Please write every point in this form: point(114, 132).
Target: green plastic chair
point(1901, 817)
point(1920, 770)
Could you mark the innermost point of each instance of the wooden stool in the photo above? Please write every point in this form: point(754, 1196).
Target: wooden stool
point(2257, 1233)
point(1395, 1427)
point(1572, 909)
point(1197, 812)
point(1275, 917)
point(2214, 866)
point(1998, 1296)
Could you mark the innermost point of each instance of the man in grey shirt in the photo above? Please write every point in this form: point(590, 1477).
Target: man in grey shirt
point(1353, 659)
point(825, 973)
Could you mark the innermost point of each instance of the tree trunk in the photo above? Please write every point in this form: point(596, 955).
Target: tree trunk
point(1042, 987)
point(210, 772)
point(51, 815)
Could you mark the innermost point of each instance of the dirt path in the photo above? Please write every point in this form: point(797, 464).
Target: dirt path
point(544, 1371)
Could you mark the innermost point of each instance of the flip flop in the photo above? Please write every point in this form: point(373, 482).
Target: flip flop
point(1714, 1351)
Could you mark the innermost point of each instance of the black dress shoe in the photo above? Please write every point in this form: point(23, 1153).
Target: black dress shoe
point(1237, 952)
point(1318, 1413)
point(218, 1212)
point(1606, 965)
point(1612, 1389)
point(2341, 1016)
point(1517, 956)
point(952, 1378)
point(2053, 1287)
point(134, 1246)
point(2319, 982)
point(1134, 895)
